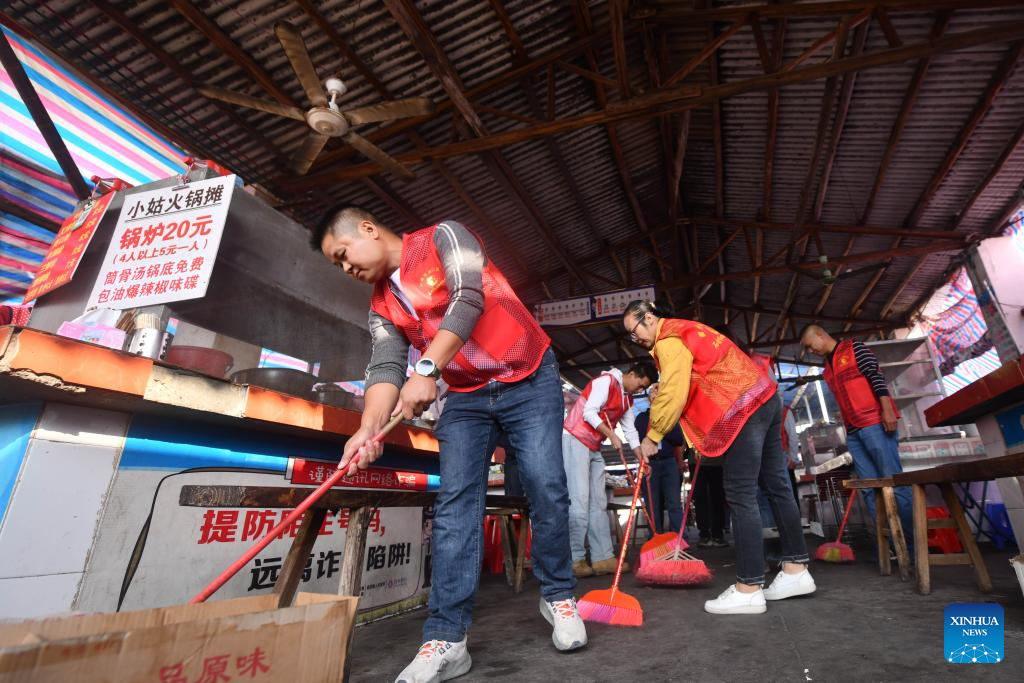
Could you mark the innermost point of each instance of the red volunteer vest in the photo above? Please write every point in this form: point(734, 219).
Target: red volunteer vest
point(507, 343)
point(613, 409)
point(726, 387)
point(857, 403)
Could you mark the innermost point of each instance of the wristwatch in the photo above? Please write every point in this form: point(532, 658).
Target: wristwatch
point(427, 368)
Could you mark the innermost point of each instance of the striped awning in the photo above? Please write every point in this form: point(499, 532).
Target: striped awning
point(102, 138)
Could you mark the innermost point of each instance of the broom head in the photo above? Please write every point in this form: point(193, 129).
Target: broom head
point(834, 552)
point(612, 607)
point(658, 546)
point(674, 573)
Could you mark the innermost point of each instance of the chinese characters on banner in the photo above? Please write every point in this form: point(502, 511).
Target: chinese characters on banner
point(68, 247)
point(590, 308)
point(164, 245)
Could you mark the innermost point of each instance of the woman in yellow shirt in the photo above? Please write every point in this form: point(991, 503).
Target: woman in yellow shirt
point(728, 408)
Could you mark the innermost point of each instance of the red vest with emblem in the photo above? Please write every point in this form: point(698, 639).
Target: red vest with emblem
point(726, 387)
point(613, 409)
point(507, 343)
point(857, 402)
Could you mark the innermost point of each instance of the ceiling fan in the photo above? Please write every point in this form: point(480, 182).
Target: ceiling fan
point(325, 118)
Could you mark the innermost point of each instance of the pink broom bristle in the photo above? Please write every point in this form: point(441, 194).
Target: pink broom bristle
point(690, 572)
point(611, 606)
point(610, 614)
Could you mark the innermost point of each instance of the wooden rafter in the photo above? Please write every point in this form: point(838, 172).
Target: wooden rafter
point(995, 86)
point(824, 117)
point(778, 42)
point(895, 133)
point(680, 99)
point(670, 14)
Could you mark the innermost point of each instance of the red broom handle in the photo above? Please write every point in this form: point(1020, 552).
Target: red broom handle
point(629, 478)
point(292, 517)
point(629, 528)
point(846, 516)
point(689, 498)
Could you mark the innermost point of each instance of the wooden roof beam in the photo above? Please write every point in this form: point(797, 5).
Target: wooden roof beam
point(329, 159)
point(676, 14)
point(778, 43)
point(828, 227)
point(216, 35)
point(995, 86)
point(682, 98)
point(825, 122)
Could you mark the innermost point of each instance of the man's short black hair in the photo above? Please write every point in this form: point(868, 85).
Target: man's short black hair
point(339, 214)
point(644, 369)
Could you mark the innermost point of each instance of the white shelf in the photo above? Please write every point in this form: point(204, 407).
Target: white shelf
point(914, 397)
point(905, 363)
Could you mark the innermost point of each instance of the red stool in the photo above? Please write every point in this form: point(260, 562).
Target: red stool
point(943, 540)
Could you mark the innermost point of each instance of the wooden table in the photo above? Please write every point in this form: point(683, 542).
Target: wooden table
point(361, 504)
point(942, 476)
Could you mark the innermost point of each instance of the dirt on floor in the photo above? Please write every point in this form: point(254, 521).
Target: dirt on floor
point(859, 626)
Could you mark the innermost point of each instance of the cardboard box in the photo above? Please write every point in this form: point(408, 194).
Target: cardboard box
point(240, 639)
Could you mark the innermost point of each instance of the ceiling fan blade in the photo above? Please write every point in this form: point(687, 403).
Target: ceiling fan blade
point(375, 153)
point(305, 155)
point(389, 111)
point(298, 55)
point(252, 102)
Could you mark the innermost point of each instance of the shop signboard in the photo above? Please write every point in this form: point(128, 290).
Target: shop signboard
point(164, 245)
point(68, 247)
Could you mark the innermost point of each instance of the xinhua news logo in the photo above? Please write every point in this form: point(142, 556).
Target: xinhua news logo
point(973, 633)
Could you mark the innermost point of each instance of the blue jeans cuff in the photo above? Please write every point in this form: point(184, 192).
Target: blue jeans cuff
point(441, 634)
point(755, 581)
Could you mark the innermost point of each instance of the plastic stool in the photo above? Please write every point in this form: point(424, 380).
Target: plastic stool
point(1001, 531)
point(944, 540)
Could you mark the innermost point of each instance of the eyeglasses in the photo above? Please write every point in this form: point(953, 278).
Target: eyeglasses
point(632, 332)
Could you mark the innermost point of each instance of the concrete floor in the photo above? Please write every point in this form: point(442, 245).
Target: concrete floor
point(859, 626)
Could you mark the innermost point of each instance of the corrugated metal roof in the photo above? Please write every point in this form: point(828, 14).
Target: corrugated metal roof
point(478, 48)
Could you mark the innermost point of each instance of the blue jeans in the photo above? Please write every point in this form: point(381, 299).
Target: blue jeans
point(876, 454)
point(588, 503)
point(666, 489)
point(756, 458)
point(530, 413)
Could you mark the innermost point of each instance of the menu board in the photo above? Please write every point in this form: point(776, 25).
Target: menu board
point(164, 246)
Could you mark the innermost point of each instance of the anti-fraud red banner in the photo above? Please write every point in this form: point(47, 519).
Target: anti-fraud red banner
point(68, 247)
point(301, 471)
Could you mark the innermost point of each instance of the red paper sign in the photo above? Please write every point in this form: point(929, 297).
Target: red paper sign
point(312, 472)
point(67, 249)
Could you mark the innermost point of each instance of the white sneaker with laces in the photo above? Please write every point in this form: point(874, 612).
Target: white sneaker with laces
point(790, 585)
point(731, 601)
point(569, 632)
point(437, 660)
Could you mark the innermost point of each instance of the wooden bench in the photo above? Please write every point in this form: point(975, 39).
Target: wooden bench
point(887, 524)
point(360, 504)
point(944, 476)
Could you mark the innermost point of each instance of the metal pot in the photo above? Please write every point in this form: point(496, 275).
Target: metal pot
point(339, 398)
point(285, 380)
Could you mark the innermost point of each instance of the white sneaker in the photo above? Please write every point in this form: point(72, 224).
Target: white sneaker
point(731, 601)
point(569, 632)
point(789, 585)
point(437, 660)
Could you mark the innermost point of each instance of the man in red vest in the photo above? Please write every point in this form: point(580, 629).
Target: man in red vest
point(606, 401)
point(870, 415)
point(727, 407)
point(436, 289)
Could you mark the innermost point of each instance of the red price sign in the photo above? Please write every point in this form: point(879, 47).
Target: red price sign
point(67, 249)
